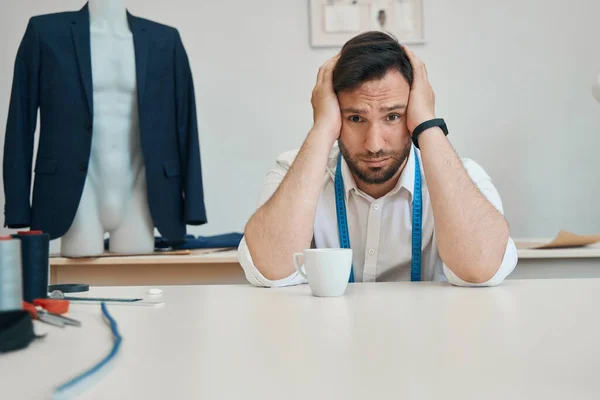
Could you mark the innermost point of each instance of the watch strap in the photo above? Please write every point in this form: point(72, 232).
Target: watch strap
point(436, 122)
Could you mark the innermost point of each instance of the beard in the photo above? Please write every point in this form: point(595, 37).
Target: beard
point(375, 175)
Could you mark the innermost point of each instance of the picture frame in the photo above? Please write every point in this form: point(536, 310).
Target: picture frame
point(334, 22)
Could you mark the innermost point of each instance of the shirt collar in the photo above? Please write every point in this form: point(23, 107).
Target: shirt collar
point(347, 178)
point(407, 177)
point(406, 180)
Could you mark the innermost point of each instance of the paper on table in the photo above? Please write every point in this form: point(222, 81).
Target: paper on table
point(562, 240)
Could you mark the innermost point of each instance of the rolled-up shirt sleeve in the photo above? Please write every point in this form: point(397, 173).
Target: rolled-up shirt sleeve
point(272, 182)
point(487, 188)
point(254, 276)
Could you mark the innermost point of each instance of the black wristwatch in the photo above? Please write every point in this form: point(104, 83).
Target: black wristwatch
point(426, 125)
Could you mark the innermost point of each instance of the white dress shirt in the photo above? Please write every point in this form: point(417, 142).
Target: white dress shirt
point(380, 229)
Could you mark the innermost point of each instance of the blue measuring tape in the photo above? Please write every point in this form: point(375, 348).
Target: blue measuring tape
point(417, 218)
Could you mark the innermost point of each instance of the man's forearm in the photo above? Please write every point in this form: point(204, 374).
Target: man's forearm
point(471, 233)
point(284, 224)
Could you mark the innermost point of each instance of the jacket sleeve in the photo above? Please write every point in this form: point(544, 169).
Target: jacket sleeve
point(20, 131)
point(187, 130)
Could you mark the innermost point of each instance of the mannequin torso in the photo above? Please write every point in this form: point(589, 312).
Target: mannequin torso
point(114, 197)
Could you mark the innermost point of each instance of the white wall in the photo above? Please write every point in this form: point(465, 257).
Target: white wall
point(512, 79)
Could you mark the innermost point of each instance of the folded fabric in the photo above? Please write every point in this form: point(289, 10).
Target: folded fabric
point(190, 242)
point(16, 330)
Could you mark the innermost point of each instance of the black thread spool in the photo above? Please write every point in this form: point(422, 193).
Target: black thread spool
point(35, 256)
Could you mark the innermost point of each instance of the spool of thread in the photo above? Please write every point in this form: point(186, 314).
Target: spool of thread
point(11, 285)
point(35, 261)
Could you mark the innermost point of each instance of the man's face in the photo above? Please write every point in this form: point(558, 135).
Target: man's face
point(374, 139)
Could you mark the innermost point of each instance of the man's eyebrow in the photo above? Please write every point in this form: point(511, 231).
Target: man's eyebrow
point(393, 108)
point(352, 110)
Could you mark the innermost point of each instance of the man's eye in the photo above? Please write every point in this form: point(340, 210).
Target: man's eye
point(354, 118)
point(393, 117)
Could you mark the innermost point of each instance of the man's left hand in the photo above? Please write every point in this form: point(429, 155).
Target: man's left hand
point(421, 101)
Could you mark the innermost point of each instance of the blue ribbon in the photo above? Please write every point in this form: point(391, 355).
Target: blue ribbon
point(417, 218)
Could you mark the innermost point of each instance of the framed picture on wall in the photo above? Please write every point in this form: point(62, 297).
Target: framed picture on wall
point(334, 22)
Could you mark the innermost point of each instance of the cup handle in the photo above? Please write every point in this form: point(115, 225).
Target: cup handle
point(298, 265)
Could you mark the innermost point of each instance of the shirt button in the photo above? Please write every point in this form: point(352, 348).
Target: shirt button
point(371, 251)
point(82, 167)
point(376, 206)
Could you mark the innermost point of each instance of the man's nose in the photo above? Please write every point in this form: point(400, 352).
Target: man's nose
point(374, 139)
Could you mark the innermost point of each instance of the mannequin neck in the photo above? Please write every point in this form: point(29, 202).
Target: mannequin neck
point(108, 14)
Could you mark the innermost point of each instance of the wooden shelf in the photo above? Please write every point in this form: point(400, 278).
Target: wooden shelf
point(206, 266)
point(204, 256)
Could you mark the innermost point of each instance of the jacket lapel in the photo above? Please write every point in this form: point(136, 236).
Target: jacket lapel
point(80, 29)
point(141, 43)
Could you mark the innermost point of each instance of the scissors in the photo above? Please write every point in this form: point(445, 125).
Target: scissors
point(49, 312)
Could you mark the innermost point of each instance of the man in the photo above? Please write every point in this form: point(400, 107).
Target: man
point(373, 98)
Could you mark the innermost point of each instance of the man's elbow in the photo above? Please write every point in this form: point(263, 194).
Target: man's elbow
point(479, 269)
point(261, 261)
point(478, 274)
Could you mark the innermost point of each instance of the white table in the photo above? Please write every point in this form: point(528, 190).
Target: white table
point(530, 339)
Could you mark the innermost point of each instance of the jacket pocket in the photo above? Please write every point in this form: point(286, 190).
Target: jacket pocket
point(171, 168)
point(45, 166)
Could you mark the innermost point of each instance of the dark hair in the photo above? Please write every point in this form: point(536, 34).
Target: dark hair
point(369, 56)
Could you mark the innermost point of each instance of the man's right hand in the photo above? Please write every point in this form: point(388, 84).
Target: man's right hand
point(284, 224)
point(327, 116)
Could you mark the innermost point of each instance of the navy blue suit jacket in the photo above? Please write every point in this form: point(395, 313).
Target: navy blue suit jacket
point(53, 73)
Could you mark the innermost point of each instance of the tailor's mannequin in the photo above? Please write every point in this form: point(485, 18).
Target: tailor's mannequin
point(114, 197)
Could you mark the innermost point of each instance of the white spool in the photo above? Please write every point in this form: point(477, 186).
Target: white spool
point(11, 277)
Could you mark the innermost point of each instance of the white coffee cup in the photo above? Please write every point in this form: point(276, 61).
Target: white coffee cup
point(327, 270)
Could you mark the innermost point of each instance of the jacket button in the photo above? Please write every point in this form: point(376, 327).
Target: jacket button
point(82, 167)
point(88, 124)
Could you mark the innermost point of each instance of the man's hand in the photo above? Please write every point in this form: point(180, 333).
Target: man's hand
point(284, 224)
point(421, 101)
point(327, 116)
point(471, 234)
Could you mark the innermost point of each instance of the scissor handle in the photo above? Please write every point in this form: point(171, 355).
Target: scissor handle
point(30, 308)
point(52, 305)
